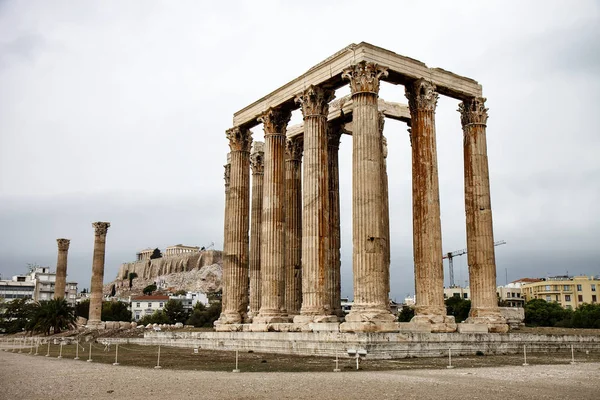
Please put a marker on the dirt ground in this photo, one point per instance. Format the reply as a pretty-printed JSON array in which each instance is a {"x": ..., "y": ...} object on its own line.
[{"x": 24, "y": 376}]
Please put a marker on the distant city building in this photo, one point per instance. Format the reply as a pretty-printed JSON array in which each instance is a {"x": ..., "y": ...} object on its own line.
[
  {"x": 38, "y": 285},
  {"x": 190, "y": 299},
  {"x": 510, "y": 294},
  {"x": 144, "y": 254},
  {"x": 180, "y": 249},
  {"x": 569, "y": 292}
]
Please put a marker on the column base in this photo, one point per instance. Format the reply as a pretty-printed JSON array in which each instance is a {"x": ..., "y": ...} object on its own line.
[
  {"x": 440, "y": 323},
  {"x": 95, "y": 324},
  {"x": 316, "y": 319},
  {"x": 491, "y": 317},
  {"x": 229, "y": 318},
  {"x": 261, "y": 319},
  {"x": 369, "y": 321}
]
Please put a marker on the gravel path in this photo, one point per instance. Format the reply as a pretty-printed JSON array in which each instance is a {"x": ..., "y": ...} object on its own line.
[{"x": 27, "y": 377}]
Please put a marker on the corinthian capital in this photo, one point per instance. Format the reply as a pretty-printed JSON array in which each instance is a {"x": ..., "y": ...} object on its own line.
[
  {"x": 275, "y": 120},
  {"x": 240, "y": 139},
  {"x": 364, "y": 77},
  {"x": 294, "y": 148},
  {"x": 421, "y": 96},
  {"x": 473, "y": 111},
  {"x": 314, "y": 101},
  {"x": 101, "y": 228},
  {"x": 257, "y": 158},
  {"x": 63, "y": 244}
]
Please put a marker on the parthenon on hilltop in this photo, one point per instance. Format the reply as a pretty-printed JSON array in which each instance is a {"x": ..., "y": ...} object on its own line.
[{"x": 281, "y": 269}]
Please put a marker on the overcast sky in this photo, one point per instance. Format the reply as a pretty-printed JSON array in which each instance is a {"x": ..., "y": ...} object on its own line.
[{"x": 116, "y": 111}]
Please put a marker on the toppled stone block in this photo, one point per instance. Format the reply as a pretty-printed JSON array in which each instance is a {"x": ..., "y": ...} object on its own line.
[
  {"x": 178, "y": 325},
  {"x": 124, "y": 325}
]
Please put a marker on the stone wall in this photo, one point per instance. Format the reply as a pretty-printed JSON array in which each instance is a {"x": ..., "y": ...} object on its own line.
[{"x": 377, "y": 345}]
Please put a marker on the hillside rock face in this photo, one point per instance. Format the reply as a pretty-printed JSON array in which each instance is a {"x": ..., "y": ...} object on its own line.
[{"x": 194, "y": 272}]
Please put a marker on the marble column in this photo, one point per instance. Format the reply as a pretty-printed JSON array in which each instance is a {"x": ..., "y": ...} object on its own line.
[
  {"x": 272, "y": 265},
  {"x": 427, "y": 229},
  {"x": 316, "y": 303},
  {"x": 227, "y": 178},
  {"x": 386, "y": 200},
  {"x": 97, "y": 283},
  {"x": 478, "y": 207},
  {"x": 235, "y": 259},
  {"x": 370, "y": 311},
  {"x": 61, "y": 268},
  {"x": 334, "y": 285},
  {"x": 293, "y": 225},
  {"x": 257, "y": 165}
]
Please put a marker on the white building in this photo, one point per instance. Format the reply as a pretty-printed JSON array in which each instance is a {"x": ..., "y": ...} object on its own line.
[
  {"x": 147, "y": 305},
  {"x": 190, "y": 299},
  {"x": 510, "y": 294},
  {"x": 38, "y": 285}
]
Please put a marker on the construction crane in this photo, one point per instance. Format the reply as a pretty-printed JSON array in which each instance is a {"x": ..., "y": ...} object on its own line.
[{"x": 457, "y": 253}]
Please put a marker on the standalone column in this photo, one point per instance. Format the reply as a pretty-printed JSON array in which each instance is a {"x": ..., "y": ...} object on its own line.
[
  {"x": 95, "y": 315},
  {"x": 427, "y": 228},
  {"x": 334, "y": 286},
  {"x": 235, "y": 260},
  {"x": 272, "y": 307},
  {"x": 61, "y": 268},
  {"x": 257, "y": 165},
  {"x": 293, "y": 225},
  {"x": 227, "y": 178},
  {"x": 386, "y": 200},
  {"x": 370, "y": 311},
  {"x": 316, "y": 303},
  {"x": 480, "y": 235}
]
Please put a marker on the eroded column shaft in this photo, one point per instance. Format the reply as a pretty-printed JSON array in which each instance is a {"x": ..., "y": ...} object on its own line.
[
  {"x": 368, "y": 229},
  {"x": 272, "y": 308},
  {"x": 61, "y": 268},
  {"x": 96, "y": 286},
  {"x": 334, "y": 274},
  {"x": 235, "y": 261},
  {"x": 293, "y": 226},
  {"x": 427, "y": 229},
  {"x": 480, "y": 235},
  {"x": 257, "y": 164},
  {"x": 227, "y": 178}
]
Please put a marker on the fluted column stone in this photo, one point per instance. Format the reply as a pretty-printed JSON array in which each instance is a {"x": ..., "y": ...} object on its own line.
[
  {"x": 334, "y": 285},
  {"x": 293, "y": 225},
  {"x": 227, "y": 178},
  {"x": 314, "y": 103},
  {"x": 272, "y": 307},
  {"x": 257, "y": 165},
  {"x": 478, "y": 209},
  {"x": 96, "y": 286},
  {"x": 386, "y": 200},
  {"x": 370, "y": 311},
  {"x": 427, "y": 229},
  {"x": 235, "y": 259},
  {"x": 61, "y": 268}
]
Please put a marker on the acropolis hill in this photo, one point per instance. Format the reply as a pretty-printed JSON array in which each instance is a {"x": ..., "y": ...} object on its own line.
[{"x": 198, "y": 270}]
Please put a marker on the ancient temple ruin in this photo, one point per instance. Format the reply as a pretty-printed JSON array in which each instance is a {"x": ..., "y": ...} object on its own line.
[{"x": 281, "y": 267}]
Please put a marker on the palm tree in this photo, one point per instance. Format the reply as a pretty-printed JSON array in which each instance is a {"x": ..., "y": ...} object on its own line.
[{"x": 55, "y": 315}]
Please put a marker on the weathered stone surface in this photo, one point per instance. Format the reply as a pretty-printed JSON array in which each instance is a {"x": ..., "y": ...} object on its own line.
[
  {"x": 100, "y": 229},
  {"x": 257, "y": 164},
  {"x": 415, "y": 327},
  {"x": 514, "y": 316},
  {"x": 472, "y": 328},
  {"x": 61, "y": 268},
  {"x": 124, "y": 325},
  {"x": 334, "y": 285}
]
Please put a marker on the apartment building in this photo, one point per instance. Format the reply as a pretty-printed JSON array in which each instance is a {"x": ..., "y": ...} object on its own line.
[{"x": 569, "y": 292}]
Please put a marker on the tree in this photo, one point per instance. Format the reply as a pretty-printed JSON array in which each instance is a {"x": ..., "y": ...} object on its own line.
[
  {"x": 587, "y": 316},
  {"x": 54, "y": 315},
  {"x": 180, "y": 292},
  {"x": 539, "y": 312},
  {"x": 113, "y": 290},
  {"x": 458, "y": 307},
  {"x": 132, "y": 276},
  {"x": 82, "y": 309},
  {"x": 175, "y": 311},
  {"x": 156, "y": 254},
  {"x": 149, "y": 289},
  {"x": 406, "y": 314},
  {"x": 203, "y": 316},
  {"x": 158, "y": 317},
  {"x": 115, "y": 311},
  {"x": 16, "y": 315}
]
